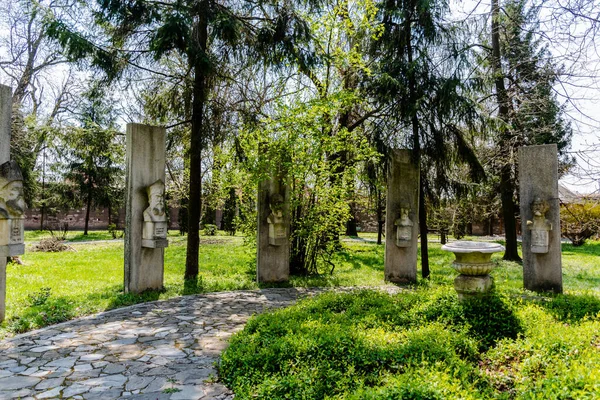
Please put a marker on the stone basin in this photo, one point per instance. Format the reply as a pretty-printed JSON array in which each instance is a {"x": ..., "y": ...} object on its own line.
[{"x": 473, "y": 258}]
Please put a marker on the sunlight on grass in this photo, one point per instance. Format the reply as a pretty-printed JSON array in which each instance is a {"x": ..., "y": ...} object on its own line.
[{"x": 90, "y": 278}]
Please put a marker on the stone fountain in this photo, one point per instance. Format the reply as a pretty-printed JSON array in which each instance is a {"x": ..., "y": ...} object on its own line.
[{"x": 473, "y": 262}]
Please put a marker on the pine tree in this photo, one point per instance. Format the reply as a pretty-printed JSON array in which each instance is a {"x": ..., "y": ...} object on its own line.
[{"x": 528, "y": 111}]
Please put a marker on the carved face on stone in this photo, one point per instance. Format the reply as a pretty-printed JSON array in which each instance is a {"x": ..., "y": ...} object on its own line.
[
  {"x": 156, "y": 199},
  {"x": 539, "y": 207},
  {"x": 12, "y": 202},
  {"x": 276, "y": 203}
]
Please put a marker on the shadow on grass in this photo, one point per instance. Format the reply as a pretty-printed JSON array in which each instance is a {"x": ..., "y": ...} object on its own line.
[
  {"x": 127, "y": 299},
  {"x": 491, "y": 318},
  {"x": 573, "y": 308},
  {"x": 589, "y": 248}
]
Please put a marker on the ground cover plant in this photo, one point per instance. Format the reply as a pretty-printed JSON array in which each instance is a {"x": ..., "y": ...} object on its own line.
[
  {"x": 54, "y": 287},
  {"x": 421, "y": 344}
]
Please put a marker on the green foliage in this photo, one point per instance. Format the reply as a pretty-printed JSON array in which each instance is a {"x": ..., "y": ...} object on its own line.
[
  {"x": 39, "y": 298},
  {"x": 580, "y": 221},
  {"x": 210, "y": 230},
  {"x": 416, "y": 345},
  {"x": 299, "y": 145}
]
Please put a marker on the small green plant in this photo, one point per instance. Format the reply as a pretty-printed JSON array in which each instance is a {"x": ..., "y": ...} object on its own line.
[
  {"x": 114, "y": 232},
  {"x": 40, "y": 297},
  {"x": 172, "y": 389},
  {"x": 209, "y": 230}
]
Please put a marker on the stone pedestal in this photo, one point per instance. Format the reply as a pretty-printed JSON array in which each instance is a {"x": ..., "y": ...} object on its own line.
[
  {"x": 402, "y": 219},
  {"x": 473, "y": 262},
  {"x": 540, "y": 218},
  {"x": 273, "y": 247},
  {"x": 144, "y": 257},
  {"x": 468, "y": 287}
]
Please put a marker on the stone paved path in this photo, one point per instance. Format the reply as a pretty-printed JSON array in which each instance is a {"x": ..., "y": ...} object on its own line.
[{"x": 159, "y": 350}]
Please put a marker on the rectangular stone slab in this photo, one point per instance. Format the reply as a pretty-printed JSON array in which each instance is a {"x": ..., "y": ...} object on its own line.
[
  {"x": 403, "y": 189},
  {"x": 144, "y": 266},
  {"x": 5, "y": 114},
  {"x": 538, "y": 177},
  {"x": 272, "y": 260}
]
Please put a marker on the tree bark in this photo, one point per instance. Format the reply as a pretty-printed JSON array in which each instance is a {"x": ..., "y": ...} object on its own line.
[
  {"x": 506, "y": 183},
  {"x": 423, "y": 231},
  {"x": 195, "y": 189},
  {"x": 87, "y": 212},
  {"x": 380, "y": 221}
]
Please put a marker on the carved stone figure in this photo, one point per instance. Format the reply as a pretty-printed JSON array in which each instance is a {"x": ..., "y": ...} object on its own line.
[
  {"x": 12, "y": 207},
  {"x": 276, "y": 220},
  {"x": 540, "y": 226},
  {"x": 404, "y": 227},
  {"x": 155, "y": 217}
]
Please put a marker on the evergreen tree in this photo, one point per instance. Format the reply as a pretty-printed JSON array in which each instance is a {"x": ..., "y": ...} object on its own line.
[
  {"x": 419, "y": 81},
  {"x": 528, "y": 111},
  {"x": 94, "y": 155},
  {"x": 138, "y": 33}
]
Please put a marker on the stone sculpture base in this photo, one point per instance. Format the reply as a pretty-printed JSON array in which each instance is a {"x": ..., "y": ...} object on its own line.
[{"x": 469, "y": 287}]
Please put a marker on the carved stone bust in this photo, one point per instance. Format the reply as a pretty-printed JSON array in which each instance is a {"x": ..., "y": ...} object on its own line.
[
  {"x": 540, "y": 226},
  {"x": 276, "y": 220},
  {"x": 404, "y": 227},
  {"x": 12, "y": 207},
  {"x": 12, "y": 203},
  {"x": 156, "y": 200},
  {"x": 154, "y": 233}
]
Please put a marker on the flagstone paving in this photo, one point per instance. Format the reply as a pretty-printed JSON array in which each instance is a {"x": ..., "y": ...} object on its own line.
[{"x": 159, "y": 350}]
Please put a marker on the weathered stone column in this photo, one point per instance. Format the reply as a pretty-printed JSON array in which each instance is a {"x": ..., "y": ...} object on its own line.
[
  {"x": 5, "y": 113},
  {"x": 145, "y": 216},
  {"x": 273, "y": 247},
  {"x": 12, "y": 203},
  {"x": 402, "y": 219},
  {"x": 540, "y": 218}
]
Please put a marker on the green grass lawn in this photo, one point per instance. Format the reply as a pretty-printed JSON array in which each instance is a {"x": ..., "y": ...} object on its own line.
[{"x": 53, "y": 287}]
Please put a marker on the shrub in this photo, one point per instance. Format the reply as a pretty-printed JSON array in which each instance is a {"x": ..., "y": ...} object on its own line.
[{"x": 210, "y": 230}]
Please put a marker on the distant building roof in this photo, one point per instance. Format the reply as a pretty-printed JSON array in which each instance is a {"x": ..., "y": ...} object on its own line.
[{"x": 567, "y": 196}]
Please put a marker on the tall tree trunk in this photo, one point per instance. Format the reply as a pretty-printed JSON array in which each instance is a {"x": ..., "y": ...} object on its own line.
[
  {"x": 195, "y": 190},
  {"x": 423, "y": 230},
  {"x": 506, "y": 182},
  {"x": 87, "y": 212},
  {"x": 417, "y": 156},
  {"x": 380, "y": 221},
  {"x": 352, "y": 223}
]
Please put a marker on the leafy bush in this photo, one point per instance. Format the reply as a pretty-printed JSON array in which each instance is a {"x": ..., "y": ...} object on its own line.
[
  {"x": 580, "y": 221},
  {"x": 417, "y": 345},
  {"x": 209, "y": 230}
]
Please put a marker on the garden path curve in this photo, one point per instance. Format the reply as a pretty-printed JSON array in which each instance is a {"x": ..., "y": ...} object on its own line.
[{"x": 159, "y": 350}]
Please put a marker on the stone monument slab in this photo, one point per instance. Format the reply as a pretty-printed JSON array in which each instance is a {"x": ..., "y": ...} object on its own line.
[
  {"x": 273, "y": 248},
  {"x": 145, "y": 216},
  {"x": 540, "y": 218},
  {"x": 402, "y": 217},
  {"x": 5, "y": 121}
]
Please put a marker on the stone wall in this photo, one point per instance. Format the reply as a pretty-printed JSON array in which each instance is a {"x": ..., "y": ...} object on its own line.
[{"x": 76, "y": 219}]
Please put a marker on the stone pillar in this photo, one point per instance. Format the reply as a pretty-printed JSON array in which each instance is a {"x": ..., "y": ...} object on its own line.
[
  {"x": 145, "y": 216},
  {"x": 12, "y": 203},
  {"x": 273, "y": 247},
  {"x": 540, "y": 218},
  {"x": 5, "y": 113},
  {"x": 402, "y": 219}
]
